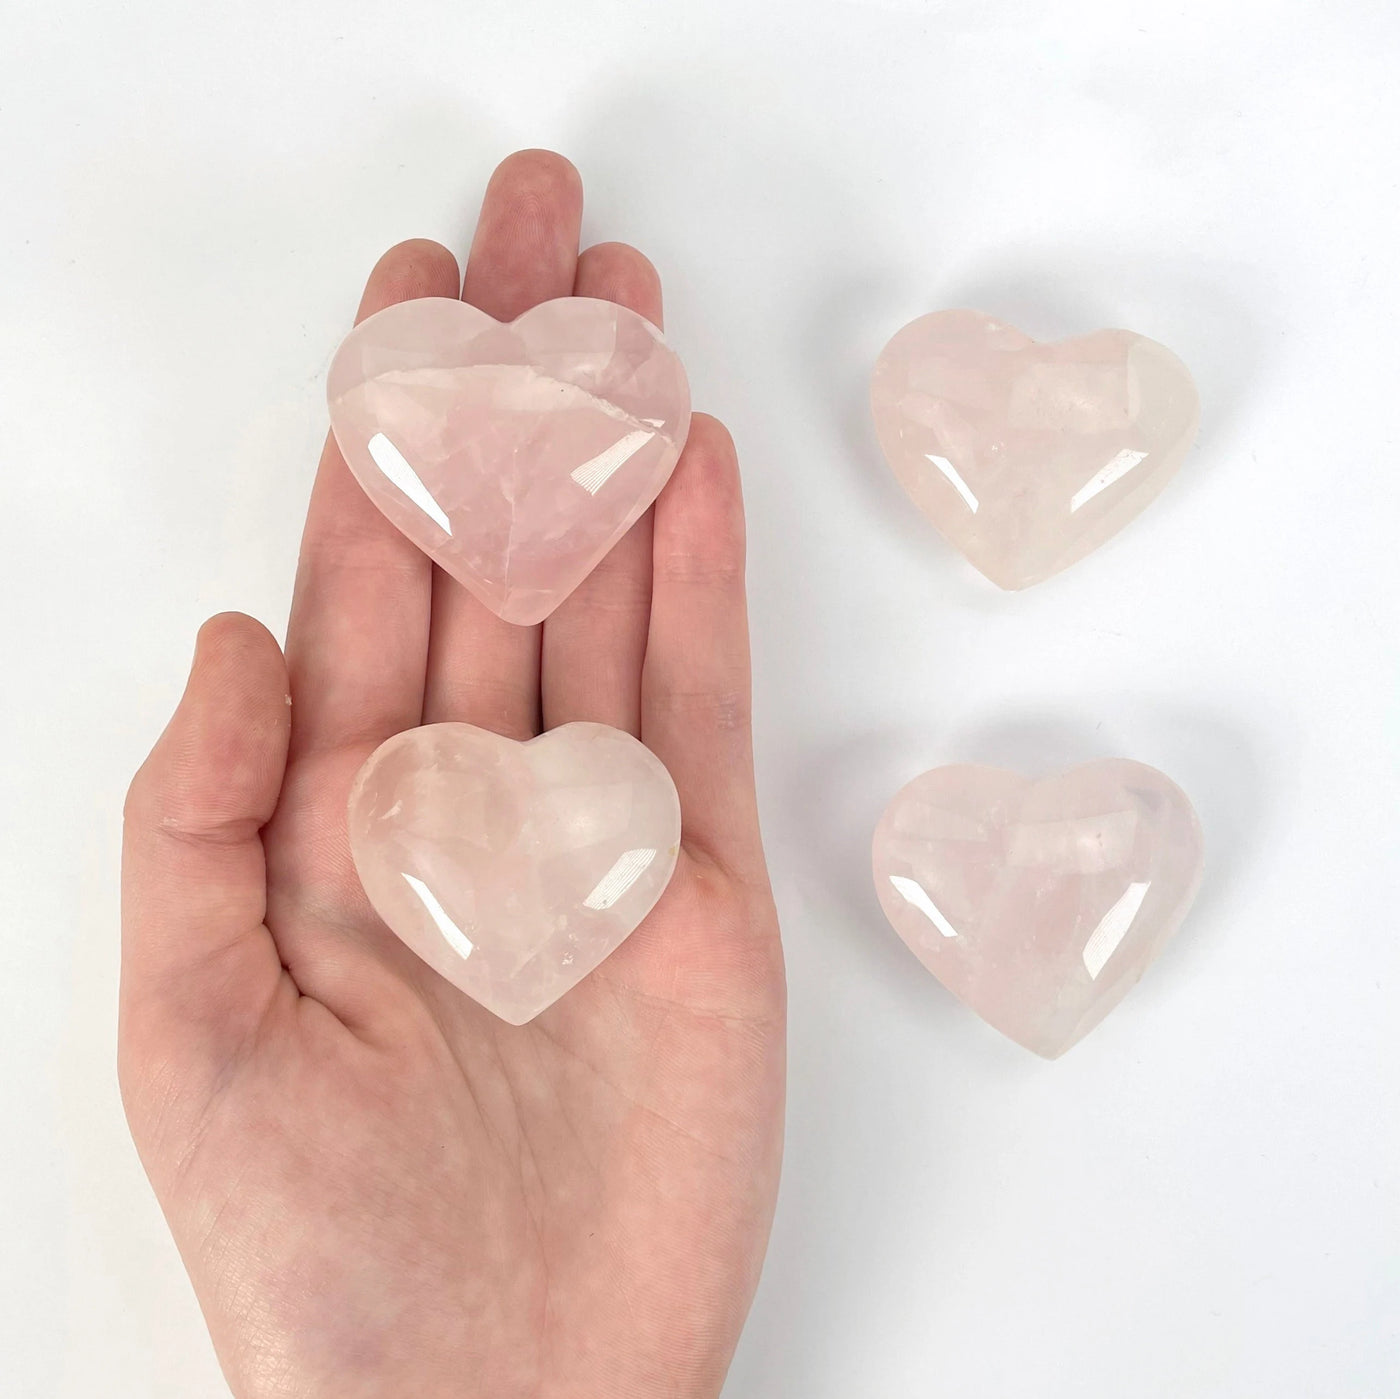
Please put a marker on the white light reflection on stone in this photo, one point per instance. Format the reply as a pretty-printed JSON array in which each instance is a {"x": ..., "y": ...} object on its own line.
[
  {"x": 958, "y": 484},
  {"x": 594, "y": 473},
  {"x": 1113, "y": 928},
  {"x": 1103, "y": 479},
  {"x": 460, "y": 943},
  {"x": 627, "y": 869},
  {"x": 912, "y": 892},
  {"x": 395, "y": 467}
]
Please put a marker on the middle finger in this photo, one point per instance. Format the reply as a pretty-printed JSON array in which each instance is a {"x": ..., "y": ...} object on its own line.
[{"x": 482, "y": 670}]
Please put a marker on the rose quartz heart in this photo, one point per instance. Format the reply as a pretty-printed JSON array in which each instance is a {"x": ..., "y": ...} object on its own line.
[
  {"x": 1026, "y": 456},
  {"x": 512, "y": 868},
  {"x": 1038, "y": 904},
  {"x": 514, "y": 455}
]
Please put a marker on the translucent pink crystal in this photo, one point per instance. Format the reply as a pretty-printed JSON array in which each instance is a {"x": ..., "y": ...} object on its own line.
[
  {"x": 1038, "y": 904},
  {"x": 511, "y": 868},
  {"x": 1028, "y": 456},
  {"x": 515, "y": 455}
]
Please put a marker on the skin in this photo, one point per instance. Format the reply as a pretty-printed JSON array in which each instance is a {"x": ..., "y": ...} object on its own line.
[{"x": 377, "y": 1187}]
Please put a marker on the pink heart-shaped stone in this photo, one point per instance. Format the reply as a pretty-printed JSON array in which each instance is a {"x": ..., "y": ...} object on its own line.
[
  {"x": 1026, "y": 456},
  {"x": 512, "y": 868},
  {"x": 1038, "y": 904},
  {"x": 514, "y": 455}
]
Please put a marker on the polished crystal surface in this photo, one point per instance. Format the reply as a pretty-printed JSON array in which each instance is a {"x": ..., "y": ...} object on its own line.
[
  {"x": 1028, "y": 456},
  {"x": 1038, "y": 903},
  {"x": 514, "y": 869},
  {"x": 515, "y": 455}
]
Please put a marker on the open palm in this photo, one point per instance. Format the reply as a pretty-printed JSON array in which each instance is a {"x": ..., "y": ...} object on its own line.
[{"x": 378, "y": 1188}]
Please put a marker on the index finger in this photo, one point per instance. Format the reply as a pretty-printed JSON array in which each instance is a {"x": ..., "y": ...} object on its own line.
[{"x": 357, "y": 639}]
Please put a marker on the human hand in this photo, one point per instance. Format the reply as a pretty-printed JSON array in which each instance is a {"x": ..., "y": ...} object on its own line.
[{"x": 378, "y": 1188}]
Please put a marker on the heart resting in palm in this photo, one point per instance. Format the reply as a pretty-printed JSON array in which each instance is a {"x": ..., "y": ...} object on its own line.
[{"x": 378, "y": 1188}]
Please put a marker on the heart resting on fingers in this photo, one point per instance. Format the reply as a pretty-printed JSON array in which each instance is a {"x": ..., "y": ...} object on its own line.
[
  {"x": 515, "y": 455},
  {"x": 511, "y": 868}
]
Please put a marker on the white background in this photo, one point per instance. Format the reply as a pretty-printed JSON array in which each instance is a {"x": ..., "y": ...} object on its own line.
[{"x": 1201, "y": 1200}]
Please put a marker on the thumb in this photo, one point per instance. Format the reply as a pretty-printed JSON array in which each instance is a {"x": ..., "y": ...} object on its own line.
[{"x": 196, "y": 955}]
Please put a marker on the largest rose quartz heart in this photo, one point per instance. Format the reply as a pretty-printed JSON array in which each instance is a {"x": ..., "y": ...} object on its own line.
[
  {"x": 1027, "y": 456},
  {"x": 1038, "y": 904},
  {"x": 515, "y": 455},
  {"x": 513, "y": 868}
]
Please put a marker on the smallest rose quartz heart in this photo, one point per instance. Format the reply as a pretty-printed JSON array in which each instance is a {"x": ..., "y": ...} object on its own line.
[
  {"x": 1027, "y": 456},
  {"x": 1038, "y": 904},
  {"x": 514, "y": 869}
]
